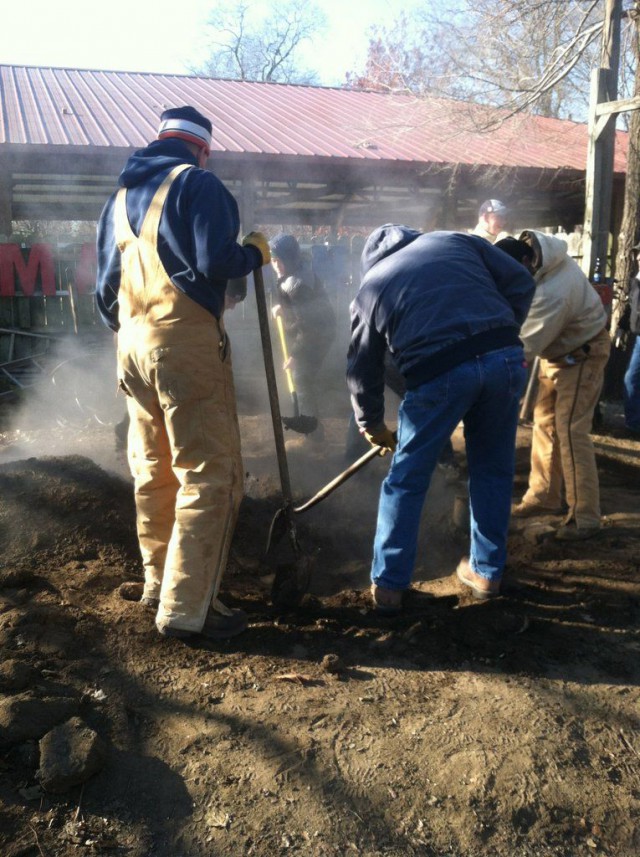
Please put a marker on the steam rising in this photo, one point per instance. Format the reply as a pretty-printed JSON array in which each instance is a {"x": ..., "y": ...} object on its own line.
[
  {"x": 72, "y": 407},
  {"x": 75, "y": 405}
]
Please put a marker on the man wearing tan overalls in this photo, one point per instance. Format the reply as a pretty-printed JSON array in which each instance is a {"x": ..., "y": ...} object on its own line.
[{"x": 167, "y": 243}]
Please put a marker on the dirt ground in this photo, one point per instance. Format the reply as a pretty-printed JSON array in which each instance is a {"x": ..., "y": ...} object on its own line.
[{"x": 505, "y": 728}]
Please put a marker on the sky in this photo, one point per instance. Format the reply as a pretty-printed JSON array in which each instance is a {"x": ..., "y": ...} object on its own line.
[{"x": 166, "y": 37}]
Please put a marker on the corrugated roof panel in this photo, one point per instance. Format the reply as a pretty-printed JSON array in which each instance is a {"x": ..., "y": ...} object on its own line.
[
  {"x": 87, "y": 105},
  {"x": 121, "y": 126},
  {"x": 30, "y": 107},
  {"x": 13, "y": 126},
  {"x": 321, "y": 121},
  {"x": 55, "y": 108},
  {"x": 116, "y": 109}
]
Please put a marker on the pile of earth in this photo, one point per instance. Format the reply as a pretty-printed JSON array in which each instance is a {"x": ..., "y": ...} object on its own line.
[{"x": 508, "y": 728}]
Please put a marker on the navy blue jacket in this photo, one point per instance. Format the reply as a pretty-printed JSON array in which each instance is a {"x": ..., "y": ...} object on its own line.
[
  {"x": 197, "y": 241},
  {"x": 434, "y": 300}
]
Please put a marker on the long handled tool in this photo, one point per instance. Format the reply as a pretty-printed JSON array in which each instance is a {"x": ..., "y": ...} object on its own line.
[
  {"x": 526, "y": 407},
  {"x": 340, "y": 479},
  {"x": 298, "y": 422},
  {"x": 288, "y": 587},
  {"x": 297, "y": 575}
]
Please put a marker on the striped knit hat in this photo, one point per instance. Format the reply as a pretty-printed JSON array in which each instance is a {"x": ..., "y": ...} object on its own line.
[{"x": 186, "y": 124}]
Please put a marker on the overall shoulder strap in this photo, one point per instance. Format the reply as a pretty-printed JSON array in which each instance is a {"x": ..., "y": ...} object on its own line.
[
  {"x": 121, "y": 225},
  {"x": 151, "y": 222}
]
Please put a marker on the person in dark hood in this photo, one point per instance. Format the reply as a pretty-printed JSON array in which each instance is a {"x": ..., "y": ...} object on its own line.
[
  {"x": 308, "y": 318},
  {"x": 167, "y": 244},
  {"x": 448, "y": 307}
]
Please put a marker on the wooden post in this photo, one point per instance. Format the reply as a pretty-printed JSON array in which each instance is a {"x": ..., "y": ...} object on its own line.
[
  {"x": 248, "y": 205},
  {"x": 449, "y": 207},
  {"x": 601, "y": 145},
  {"x": 6, "y": 221}
]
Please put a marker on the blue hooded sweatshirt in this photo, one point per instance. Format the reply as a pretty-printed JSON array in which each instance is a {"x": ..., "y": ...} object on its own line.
[
  {"x": 434, "y": 300},
  {"x": 197, "y": 237}
]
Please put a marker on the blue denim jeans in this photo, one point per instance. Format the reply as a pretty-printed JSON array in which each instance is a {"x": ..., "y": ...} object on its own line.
[
  {"x": 484, "y": 394},
  {"x": 632, "y": 389}
]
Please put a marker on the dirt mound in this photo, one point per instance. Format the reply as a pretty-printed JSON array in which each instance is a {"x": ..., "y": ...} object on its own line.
[
  {"x": 63, "y": 509},
  {"x": 504, "y": 728}
]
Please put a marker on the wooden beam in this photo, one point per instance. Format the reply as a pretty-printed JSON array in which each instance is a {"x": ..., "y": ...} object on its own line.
[
  {"x": 619, "y": 106},
  {"x": 601, "y": 145}
]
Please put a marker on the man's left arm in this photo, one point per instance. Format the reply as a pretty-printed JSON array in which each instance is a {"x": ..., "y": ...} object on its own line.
[
  {"x": 365, "y": 371},
  {"x": 215, "y": 223},
  {"x": 108, "y": 268}
]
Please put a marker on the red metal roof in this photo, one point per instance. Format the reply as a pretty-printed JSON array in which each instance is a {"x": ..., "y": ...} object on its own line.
[{"x": 74, "y": 107}]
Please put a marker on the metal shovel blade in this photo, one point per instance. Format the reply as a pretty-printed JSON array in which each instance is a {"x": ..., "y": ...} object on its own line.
[
  {"x": 291, "y": 582},
  {"x": 279, "y": 526},
  {"x": 300, "y": 424}
]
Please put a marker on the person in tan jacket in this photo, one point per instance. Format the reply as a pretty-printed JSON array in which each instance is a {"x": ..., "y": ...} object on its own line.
[{"x": 566, "y": 329}]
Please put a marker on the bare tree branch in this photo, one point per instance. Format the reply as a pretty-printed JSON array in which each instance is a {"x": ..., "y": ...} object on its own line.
[
  {"x": 245, "y": 45},
  {"x": 513, "y": 55}
]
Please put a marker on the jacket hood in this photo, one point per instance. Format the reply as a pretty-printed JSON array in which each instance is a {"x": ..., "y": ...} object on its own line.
[
  {"x": 549, "y": 251},
  {"x": 159, "y": 156},
  {"x": 383, "y": 241}
]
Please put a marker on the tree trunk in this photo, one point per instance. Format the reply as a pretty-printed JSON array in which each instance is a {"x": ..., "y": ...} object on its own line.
[
  {"x": 629, "y": 236},
  {"x": 630, "y": 229}
]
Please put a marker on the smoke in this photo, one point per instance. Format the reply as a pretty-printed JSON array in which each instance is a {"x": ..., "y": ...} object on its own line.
[
  {"x": 342, "y": 526},
  {"x": 70, "y": 408}
]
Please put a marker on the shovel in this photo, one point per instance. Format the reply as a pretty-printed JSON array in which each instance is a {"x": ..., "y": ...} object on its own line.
[
  {"x": 526, "y": 408},
  {"x": 298, "y": 422},
  {"x": 294, "y": 578},
  {"x": 287, "y": 585}
]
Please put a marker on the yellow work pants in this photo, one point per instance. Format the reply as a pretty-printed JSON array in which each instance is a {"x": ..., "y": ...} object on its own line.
[
  {"x": 562, "y": 452},
  {"x": 184, "y": 454}
]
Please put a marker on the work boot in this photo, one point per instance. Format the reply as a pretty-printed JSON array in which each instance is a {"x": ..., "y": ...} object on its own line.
[
  {"x": 220, "y": 623},
  {"x": 532, "y": 510},
  {"x": 133, "y": 590},
  {"x": 572, "y": 533},
  {"x": 387, "y": 602},
  {"x": 481, "y": 588}
]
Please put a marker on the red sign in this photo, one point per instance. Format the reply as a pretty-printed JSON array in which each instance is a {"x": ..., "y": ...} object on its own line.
[{"x": 31, "y": 271}]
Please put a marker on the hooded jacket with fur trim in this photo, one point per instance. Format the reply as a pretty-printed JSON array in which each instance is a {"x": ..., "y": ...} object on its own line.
[
  {"x": 434, "y": 300},
  {"x": 566, "y": 311}
]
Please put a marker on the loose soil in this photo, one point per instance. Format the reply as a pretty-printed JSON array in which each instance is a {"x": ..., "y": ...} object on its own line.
[{"x": 459, "y": 728}]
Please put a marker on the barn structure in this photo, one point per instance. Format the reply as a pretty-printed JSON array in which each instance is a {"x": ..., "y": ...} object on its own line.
[
  {"x": 291, "y": 154},
  {"x": 337, "y": 162}
]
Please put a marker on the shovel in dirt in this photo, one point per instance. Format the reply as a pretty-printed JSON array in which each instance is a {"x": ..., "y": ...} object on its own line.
[
  {"x": 295, "y": 577},
  {"x": 298, "y": 422},
  {"x": 289, "y": 587}
]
